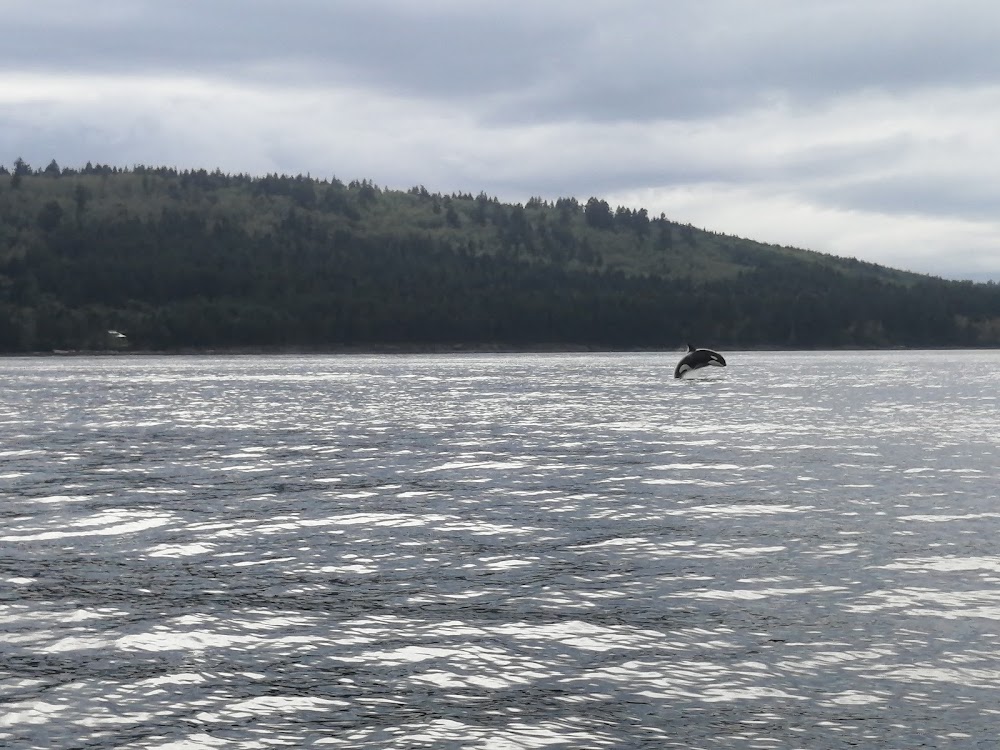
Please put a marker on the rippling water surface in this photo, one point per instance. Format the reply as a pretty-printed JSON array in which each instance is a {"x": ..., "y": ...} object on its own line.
[{"x": 500, "y": 551}]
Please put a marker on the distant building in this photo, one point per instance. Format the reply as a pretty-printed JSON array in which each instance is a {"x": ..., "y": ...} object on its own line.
[{"x": 117, "y": 340}]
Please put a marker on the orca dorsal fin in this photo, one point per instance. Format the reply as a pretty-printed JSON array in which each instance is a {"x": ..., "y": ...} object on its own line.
[{"x": 690, "y": 348}]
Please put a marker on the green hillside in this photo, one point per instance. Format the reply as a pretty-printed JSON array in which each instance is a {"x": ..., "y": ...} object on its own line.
[{"x": 199, "y": 259}]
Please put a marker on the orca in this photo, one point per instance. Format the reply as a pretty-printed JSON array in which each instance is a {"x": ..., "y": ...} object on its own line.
[{"x": 695, "y": 359}]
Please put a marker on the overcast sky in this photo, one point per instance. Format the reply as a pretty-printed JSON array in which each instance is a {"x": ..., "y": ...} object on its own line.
[{"x": 861, "y": 128}]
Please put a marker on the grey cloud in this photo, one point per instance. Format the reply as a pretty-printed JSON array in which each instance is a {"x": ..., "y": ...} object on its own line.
[
  {"x": 402, "y": 49},
  {"x": 707, "y": 63},
  {"x": 929, "y": 196},
  {"x": 527, "y": 61},
  {"x": 815, "y": 170}
]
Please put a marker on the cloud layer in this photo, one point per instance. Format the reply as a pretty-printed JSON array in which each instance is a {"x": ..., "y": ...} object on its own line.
[{"x": 863, "y": 129}]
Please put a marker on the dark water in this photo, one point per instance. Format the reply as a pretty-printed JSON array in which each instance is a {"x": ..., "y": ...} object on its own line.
[{"x": 799, "y": 551}]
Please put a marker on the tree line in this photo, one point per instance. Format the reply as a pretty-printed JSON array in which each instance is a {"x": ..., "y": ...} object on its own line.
[{"x": 192, "y": 259}]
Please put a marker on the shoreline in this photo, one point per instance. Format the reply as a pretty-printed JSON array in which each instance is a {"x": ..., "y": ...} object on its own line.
[{"x": 408, "y": 349}]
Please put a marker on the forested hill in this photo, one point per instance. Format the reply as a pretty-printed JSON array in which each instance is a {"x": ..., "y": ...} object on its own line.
[{"x": 197, "y": 259}]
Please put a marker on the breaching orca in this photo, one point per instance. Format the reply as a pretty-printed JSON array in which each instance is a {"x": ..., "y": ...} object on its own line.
[{"x": 695, "y": 359}]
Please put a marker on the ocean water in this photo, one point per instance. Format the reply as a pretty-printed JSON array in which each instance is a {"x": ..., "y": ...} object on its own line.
[{"x": 801, "y": 550}]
